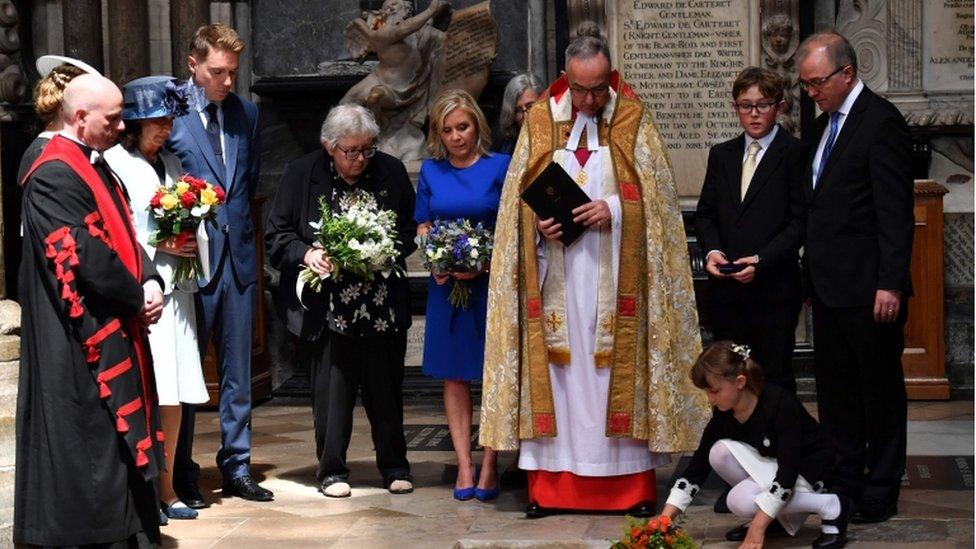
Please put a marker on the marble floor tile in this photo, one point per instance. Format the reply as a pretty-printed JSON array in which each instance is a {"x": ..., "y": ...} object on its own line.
[{"x": 283, "y": 460}]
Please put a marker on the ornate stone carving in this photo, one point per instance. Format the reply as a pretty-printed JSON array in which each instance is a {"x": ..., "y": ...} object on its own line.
[
  {"x": 780, "y": 38},
  {"x": 13, "y": 85},
  {"x": 588, "y": 12},
  {"x": 416, "y": 60},
  {"x": 865, "y": 24}
]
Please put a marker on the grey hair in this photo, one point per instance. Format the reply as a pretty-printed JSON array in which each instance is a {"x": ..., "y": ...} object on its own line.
[
  {"x": 515, "y": 88},
  {"x": 839, "y": 49},
  {"x": 587, "y": 47},
  {"x": 345, "y": 120}
]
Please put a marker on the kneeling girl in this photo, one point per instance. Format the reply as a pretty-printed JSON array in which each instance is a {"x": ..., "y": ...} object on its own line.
[{"x": 763, "y": 443}]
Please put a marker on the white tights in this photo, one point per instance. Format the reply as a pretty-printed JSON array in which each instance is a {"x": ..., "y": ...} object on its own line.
[{"x": 742, "y": 497}]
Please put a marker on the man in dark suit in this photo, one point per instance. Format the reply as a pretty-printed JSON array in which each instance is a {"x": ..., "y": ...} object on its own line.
[
  {"x": 858, "y": 247},
  {"x": 218, "y": 141},
  {"x": 750, "y": 217}
]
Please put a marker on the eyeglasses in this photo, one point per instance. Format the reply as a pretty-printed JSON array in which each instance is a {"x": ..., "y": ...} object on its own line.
[
  {"x": 761, "y": 108},
  {"x": 817, "y": 83},
  {"x": 522, "y": 111},
  {"x": 596, "y": 91},
  {"x": 353, "y": 154}
]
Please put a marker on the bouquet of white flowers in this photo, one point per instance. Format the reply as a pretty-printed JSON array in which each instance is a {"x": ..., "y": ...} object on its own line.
[
  {"x": 358, "y": 238},
  {"x": 456, "y": 247}
]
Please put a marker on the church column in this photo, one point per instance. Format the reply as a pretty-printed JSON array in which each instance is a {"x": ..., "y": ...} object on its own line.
[
  {"x": 537, "y": 39},
  {"x": 128, "y": 37},
  {"x": 185, "y": 16},
  {"x": 83, "y": 31}
]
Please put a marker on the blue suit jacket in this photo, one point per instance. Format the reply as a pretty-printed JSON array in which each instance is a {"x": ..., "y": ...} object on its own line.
[{"x": 242, "y": 152}]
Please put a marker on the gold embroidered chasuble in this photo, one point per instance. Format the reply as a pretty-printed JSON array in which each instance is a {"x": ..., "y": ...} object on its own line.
[{"x": 648, "y": 335}]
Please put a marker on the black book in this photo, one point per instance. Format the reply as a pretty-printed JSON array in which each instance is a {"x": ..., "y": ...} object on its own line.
[{"x": 555, "y": 194}]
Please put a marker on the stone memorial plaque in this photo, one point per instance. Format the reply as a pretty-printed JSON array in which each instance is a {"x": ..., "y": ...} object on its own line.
[
  {"x": 681, "y": 58},
  {"x": 415, "y": 342},
  {"x": 947, "y": 50}
]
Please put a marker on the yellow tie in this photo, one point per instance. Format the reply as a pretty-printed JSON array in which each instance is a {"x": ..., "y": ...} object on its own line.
[{"x": 749, "y": 167}]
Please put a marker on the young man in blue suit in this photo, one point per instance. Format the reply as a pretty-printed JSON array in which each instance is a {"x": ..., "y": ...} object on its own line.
[{"x": 218, "y": 141}]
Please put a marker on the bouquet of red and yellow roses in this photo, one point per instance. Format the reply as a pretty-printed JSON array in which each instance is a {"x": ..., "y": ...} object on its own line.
[{"x": 178, "y": 211}]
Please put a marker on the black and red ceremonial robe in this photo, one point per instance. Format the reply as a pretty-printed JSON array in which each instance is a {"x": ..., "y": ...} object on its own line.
[{"x": 88, "y": 436}]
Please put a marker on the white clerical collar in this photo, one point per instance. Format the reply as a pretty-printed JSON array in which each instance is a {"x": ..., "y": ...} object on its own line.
[{"x": 588, "y": 123}]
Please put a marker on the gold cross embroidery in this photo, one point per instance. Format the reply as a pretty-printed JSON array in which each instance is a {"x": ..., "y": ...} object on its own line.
[
  {"x": 608, "y": 324},
  {"x": 581, "y": 178},
  {"x": 553, "y": 322}
]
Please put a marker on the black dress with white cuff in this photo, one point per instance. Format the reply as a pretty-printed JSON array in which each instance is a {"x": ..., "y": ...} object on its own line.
[{"x": 779, "y": 428}]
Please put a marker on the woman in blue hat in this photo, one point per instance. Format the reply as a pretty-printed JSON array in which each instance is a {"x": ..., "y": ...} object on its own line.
[{"x": 142, "y": 164}]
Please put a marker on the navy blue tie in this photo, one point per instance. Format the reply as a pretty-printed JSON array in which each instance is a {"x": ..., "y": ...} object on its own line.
[
  {"x": 831, "y": 137},
  {"x": 213, "y": 132}
]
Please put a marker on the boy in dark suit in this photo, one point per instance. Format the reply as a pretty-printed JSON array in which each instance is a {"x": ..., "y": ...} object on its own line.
[{"x": 749, "y": 222}]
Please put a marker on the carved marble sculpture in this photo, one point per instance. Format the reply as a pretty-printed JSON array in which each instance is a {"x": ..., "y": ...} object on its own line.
[{"x": 416, "y": 60}]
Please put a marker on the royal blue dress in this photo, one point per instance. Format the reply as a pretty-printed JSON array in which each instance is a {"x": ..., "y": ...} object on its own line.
[{"x": 454, "y": 339}]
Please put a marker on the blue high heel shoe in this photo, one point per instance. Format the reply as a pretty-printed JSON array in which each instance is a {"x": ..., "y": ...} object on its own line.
[
  {"x": 464, "y": 494},
  {"x": 486, "y": 494}
]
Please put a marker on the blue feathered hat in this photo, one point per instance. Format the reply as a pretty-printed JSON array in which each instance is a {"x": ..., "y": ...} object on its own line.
[{"x": 154, "y": 97}]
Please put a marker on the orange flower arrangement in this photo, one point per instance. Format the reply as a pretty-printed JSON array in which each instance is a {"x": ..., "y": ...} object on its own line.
[{"x": 654, "y": 533}]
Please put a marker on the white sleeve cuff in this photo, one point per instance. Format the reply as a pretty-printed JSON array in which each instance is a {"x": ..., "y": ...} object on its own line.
[
  {"x": 682, "y": 493},
  {"x": 150, "y": 285},
  {"x": 773, "y": 499}
]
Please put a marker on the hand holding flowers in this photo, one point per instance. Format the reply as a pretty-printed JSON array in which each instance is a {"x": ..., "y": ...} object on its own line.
[
  {"x": 357, "y": 237},
  {"x": 653, "y": 533},
  {"x": 458, "y": 250},
  {"x": 178, "y": 211}
]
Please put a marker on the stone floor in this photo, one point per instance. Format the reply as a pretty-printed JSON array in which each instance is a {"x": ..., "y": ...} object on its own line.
[{"x": 933, "y": 514}]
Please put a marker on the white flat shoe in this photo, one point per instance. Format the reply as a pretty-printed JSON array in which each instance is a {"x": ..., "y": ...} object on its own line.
[
  {"x": 337, "y": 490},
  {"x": 401, "y": 486}
]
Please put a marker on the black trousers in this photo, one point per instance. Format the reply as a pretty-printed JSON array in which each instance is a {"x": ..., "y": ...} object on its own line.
[
  {"x": 768, "y": 328},
  {"x": 861, "y": 397},
  {"x": 341, "y": 366}
]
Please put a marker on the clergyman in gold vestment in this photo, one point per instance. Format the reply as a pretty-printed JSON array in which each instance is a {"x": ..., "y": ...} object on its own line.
[{"x": 588, "y": 347}]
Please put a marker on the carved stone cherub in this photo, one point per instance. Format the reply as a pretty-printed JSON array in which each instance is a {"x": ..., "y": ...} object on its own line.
[{"x": 399, "y": 88}]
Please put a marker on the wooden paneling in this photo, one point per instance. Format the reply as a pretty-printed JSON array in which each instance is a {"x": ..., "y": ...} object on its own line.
[{"x": 924, "y": 358}]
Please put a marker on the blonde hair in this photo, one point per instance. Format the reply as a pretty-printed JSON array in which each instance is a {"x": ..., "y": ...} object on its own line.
[
  {"x": 49, "y": 93},
  {"x": 214, "y": 36},
  {"x": 727, "y": 360},
  {"x": 443, "y": 105}
]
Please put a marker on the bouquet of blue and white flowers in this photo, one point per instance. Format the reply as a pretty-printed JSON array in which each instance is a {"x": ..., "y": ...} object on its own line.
[
  {"x": 358, "y": 238},
  {"x": 456, "y": 247}
]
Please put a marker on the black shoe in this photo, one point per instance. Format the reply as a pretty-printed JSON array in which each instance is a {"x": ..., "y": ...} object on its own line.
[
  {"x": 831, "y": 541},
  {"x": 534, "y": 511},
  {"x": 245, "y": 487},
  {"x": 644, "y": 509},
  {"x": 739, "y": 532},
  {"x": 190, "y": 495},
  {"x": 721, "y": 504},
  {"x": 871, "y": 510}
]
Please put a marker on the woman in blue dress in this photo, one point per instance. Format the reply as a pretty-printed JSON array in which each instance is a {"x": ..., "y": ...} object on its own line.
[{"x": 461, "y": 180}]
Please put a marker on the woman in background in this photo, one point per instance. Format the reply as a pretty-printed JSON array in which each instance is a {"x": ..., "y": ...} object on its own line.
[
  {"x": 142, "y": 164},
  {"x": 521, "y": 93}
]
